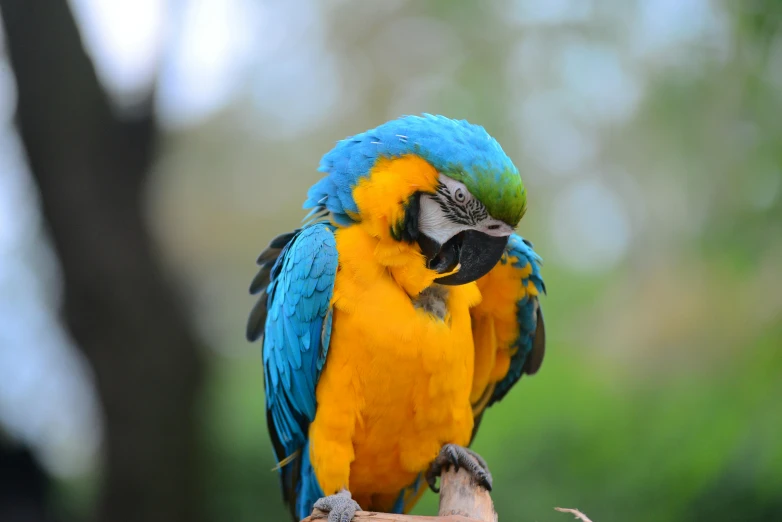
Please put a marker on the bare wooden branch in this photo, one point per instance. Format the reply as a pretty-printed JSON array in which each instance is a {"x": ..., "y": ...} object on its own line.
[
  {"x": 578, "y": 514},
  {"x": 371, "y": 516},
  {"x": 460, "y": 501},
  {"x": 460, "y": 496}
]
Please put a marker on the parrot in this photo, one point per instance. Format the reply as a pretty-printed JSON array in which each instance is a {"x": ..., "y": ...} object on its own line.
[{"x": 400, "y": 310}]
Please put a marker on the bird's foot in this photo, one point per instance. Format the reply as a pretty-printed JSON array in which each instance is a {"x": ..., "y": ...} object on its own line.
[
  {"x": 340, "y": 507},
  {"x": 459, "y": 457}
]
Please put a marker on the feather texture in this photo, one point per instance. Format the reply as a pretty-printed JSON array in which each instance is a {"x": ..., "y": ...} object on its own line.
[
  {"x": 459, "y": 149},
  {"x": 294, "y": 312},
  {"x": 508, "y": 326},
  {"x": 528, "y": 349},
  {"x": 356, "y": 292}
]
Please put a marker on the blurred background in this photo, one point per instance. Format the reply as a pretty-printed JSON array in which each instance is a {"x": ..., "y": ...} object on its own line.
[{"x": 149, "y": 150}]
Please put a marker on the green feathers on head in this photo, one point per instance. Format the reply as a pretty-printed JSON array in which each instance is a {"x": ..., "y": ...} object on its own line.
[
  {"x": 456, "y": 148},
  {"x": 501, "y": 191}
]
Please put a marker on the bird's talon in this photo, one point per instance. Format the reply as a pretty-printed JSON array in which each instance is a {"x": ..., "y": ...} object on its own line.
[
  {"x": 459, "y": 457},
  {"x": 431, "y": 478},
  {"x": 341, "y": 507}
]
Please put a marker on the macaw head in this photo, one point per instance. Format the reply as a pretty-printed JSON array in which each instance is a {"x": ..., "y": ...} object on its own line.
[{"x": 443, "y": 184}]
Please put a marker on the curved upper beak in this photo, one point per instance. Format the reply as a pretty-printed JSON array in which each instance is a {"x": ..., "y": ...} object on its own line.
[{"x": 474, "y": 253}]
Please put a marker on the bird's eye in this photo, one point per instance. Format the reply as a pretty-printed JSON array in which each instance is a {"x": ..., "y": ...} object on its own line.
[{"x": 459, "y": 195}]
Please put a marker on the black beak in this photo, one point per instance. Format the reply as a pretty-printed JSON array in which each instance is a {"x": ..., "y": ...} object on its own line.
[{"x": 476, "y": 252}]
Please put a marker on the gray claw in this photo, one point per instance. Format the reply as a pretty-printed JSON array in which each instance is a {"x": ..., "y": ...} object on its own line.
[
  {"x": 340, "y": 507},
  {"x": 459, "y": 457}
]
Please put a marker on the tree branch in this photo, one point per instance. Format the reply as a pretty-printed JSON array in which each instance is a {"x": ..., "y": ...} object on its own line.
[
  {"x": 578, "y": 514},
  {"x": 460, "y": 501}
]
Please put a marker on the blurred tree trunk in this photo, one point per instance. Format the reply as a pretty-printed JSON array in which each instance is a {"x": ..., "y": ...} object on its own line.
[
  {"x": 24, "y": 485},
  {"x": 90, "y": 166}
]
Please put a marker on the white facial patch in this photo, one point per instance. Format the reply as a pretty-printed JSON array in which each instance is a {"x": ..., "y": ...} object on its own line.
[{"x": 452, "y": 209}]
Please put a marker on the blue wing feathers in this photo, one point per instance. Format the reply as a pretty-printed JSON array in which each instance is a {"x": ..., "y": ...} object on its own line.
[
  {"x": 309, "y": 490},
  {"x": 530, "y": 346},
  {"x": 295, "y": 344},
  {"x": 298, "y": 299}
]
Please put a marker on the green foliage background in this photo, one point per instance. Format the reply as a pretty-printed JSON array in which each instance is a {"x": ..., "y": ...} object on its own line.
[{"x": 660, "y": 396}]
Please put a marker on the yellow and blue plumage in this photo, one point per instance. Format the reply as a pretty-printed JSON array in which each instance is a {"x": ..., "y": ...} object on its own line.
[{"x": 402, "y": 309}]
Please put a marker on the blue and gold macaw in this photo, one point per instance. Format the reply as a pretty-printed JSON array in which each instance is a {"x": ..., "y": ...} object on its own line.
[{"x": 400, "y": 311}]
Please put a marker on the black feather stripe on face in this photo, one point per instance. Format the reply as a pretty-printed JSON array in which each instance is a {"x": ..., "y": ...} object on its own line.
[
  {"x": 407, "y": 229},
  {"x": 468, "y": 213},
  {"x": 477, "y": 210}
]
